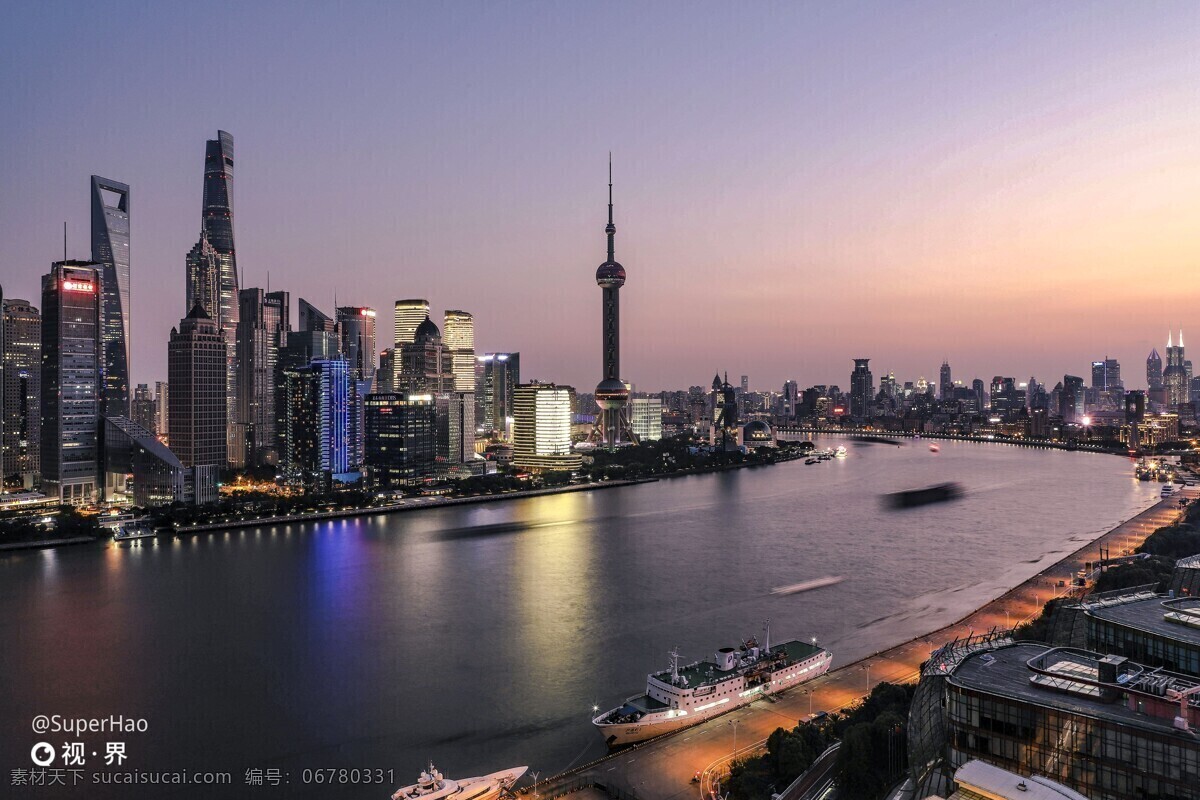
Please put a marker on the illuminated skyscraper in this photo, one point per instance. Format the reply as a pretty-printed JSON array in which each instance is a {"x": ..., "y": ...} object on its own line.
[
  {"x": 498, "y": 377},
  {"x": 356, "y": 325},
  {"x": 1175, "y": 375},
  {"x": 20, "y": 402},
  {"x": 612, "y": 395},
  {"x": 542, "y": 428},
  {"x": 409, "y": 314},
  {"x": 424, "y": 365},
  {"x": 263, "y": 326},
  {"x": 862, "y": 389},
  {"x": 204, "y": 278},
  {"x": 72, "y": 380},
  {"x": 196, "y": 371},
  {"x": 647, "y": 418},
  {"x": 401, "y": 439},
  {"x": 945, "y": 382},
  {"x": 458, "y": 334},
  {"x": 110, "y": 248}
]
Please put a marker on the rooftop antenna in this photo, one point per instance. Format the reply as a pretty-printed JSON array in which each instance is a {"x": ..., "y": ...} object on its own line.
[
  {"x": 64, "y": 240},
  {"x": 674, "y": 654},
  {"x": 767, "y": 628}
]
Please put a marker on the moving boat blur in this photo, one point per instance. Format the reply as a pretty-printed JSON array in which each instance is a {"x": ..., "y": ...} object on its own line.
[{"x": 942, "y": 493}]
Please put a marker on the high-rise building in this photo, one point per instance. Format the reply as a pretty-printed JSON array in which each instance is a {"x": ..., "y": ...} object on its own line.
[
  {"x": 1175, "y": 375},
  {"x": 313, "y": 320},
  {"x": 612, "y": 395},
  {"x": 401, "y": 439},
  {"x": 162, "y": 414},
  {"x": 217, "y": 230},
  {"x": 356, "y": 325},
  {"x": 196, "y": 371},
  {"x": 1106, "y": 375},
  {"x": 142, "y": 407},
  {"x": 745, "y": 384},
  {"x": 425, "y": 365},
  {"x": 945, "y": 382},
  {"x": 138, "y": 467},
  {"x": 1071, "y": 400},
  {"x": 72, "y": 380},
  {"x": 647, "y": 418},
  {"x": 110, "y": 249},
  {"x": 409, "y": 314},
  {"x": 317, "y": 430},
  {"x": 458, "y": 334},
  {"x": 455, "y": 426},
  {"x": 542, "y": 428},
  {"x": 977, "y": 387},
  {"x": 862, "y": 389},
  {"x": 203, "y": 281},
  {"x": 498, "y": 377},
  {"x": 263, "y": 326},
  {"x": 21, "y": 397},
  {"x": 1154, "y": 369}
]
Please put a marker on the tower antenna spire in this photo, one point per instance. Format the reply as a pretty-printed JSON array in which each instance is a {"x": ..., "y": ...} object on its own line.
[
  {"x": 65, "y": 237},
  {"x": 610, "y": 229}
]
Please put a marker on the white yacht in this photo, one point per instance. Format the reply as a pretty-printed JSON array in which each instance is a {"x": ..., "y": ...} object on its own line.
[
  {"x": 432, "y": 785},
  {"x": 684, "y": 696}
]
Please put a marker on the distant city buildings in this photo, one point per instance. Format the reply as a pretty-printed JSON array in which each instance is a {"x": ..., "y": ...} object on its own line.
[
  {"x": 497, "y": 378},
  {"x": 356, "y": 325},
  {"x": 862, "y": 389},
  {"x": 409, "y": 315}
]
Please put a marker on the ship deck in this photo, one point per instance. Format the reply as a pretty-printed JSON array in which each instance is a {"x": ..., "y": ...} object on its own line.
[{"x": 705, "y": 672}]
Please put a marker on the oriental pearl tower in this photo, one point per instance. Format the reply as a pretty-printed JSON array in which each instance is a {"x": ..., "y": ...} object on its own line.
[{"x": 612, "y": 426}]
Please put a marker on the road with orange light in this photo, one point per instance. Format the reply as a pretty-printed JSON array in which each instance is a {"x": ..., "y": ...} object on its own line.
[{"x": 665, "y": 768}]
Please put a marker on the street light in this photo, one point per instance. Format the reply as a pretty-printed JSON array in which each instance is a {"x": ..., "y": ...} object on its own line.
[
  {"x": 734, "y": 723},
  {"x": 867, "y": 667}
]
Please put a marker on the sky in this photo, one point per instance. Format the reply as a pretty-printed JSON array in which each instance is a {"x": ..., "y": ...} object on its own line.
[{"x": 1011, "y": 186}]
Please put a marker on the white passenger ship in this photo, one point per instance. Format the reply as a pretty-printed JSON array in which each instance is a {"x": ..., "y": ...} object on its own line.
[
  {"x": 432, "y": 785},
  {"x": 684, "y": 696}
]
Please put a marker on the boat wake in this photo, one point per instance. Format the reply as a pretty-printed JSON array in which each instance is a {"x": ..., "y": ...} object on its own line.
[{"x": 808, "y": 586}]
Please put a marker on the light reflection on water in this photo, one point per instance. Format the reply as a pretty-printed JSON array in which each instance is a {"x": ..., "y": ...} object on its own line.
[{"x": 480, "y": 636}]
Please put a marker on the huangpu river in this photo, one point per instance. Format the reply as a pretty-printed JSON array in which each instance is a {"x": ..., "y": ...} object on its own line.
[{"x": 480, "y": 637}]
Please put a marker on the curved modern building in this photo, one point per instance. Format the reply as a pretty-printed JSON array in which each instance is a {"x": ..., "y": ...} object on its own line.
[
  {"x": 612, "y": 395},
  {"x": 110, "y": 249}
]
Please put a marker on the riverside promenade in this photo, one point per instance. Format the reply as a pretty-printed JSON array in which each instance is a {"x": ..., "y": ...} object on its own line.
[{"x": 664, "y": 768}]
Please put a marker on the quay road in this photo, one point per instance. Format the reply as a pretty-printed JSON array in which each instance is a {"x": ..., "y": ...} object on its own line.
[{"x": 664, "y": 768}]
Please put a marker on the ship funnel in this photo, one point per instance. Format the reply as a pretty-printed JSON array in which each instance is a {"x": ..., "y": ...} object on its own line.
[{"x": 726, "y": 659}]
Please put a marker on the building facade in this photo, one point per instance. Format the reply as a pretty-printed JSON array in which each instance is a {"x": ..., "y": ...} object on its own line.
[
  {"x": 196, "y": 394},
  {"x": 110, "y": 249},
  {"x": 458, "y": 334},
  {"x": 542, "y": 428},
  {"x": 401, "y": 439},
  {"x": 21, "y": 398},
  {"x": 409, "y": 314},
  {"x": 356, "y": 326},
  {"x": 262, "y": 330},
  {"x": 497, "y": 378},
  {"x": 647, "y": 418},
  {"x": 72, "y": 381}
]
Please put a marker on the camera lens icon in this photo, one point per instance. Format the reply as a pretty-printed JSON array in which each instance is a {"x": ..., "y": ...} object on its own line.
[{"x": 42, "y": 754}]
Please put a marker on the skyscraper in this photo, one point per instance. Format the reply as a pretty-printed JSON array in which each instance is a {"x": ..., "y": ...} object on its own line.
[
  {"x": 945, "y": 382},
  {"x": 142, "y": 407},
  {"x": 1175, "y": 375},
  {"x": 542, "y": 428},
  {"x": 612, "y": 395},
  {"x": 356, "y": 324},
  {"x": 401, "y": 439},
  {"x": 218, "y": 230},
  {"x": 204, "y": 278},
  {"x": 20, "y": 402},
  {"x": 161, "y": 413},
  {"x": 498, "y": 378},
  {"x": 862, "y": 389},
  {"x": 196, "y": 370},
  {"x": 316, "y": 440},
  {"x": 647, "y": 418},
  {"x": 262, "y": 329},
  {"x": 110, "y": 248},
  {"x": 1154, "y": 369},
  {"x": 72, "y": 380},
  {"x": 409, "y": 314},
  {"x": 424, "y": 365},
  {"x": 1106, "y": 375},
  {"x": 458, "y": 334}
]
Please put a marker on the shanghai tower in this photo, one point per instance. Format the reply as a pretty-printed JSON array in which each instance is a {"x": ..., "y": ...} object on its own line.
[
  {"x": 218, "y": 223},
  {"x": 110, "y": 249},
  {"x": 612, "y": 396}
]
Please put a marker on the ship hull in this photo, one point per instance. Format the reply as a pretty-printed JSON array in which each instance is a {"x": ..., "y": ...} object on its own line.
[{"x": 617, "y": 735}]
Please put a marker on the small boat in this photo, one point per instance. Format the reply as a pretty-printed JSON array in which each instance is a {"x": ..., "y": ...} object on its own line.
[
  {"x": 942, "y": 493},
  {"x": 133, "y": 530},
  {"x": 810, "y": 461},
  {"x": 840, "y": 452},
  {"x": 933, "y": 448},
  {"x": 432, "y": 785}
]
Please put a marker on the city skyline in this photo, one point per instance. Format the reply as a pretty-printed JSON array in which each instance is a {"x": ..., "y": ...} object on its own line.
[{"x": 995, "y": 212}]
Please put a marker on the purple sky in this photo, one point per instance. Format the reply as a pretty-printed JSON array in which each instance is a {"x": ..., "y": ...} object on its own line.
[{"x": 1013, "y": 186}]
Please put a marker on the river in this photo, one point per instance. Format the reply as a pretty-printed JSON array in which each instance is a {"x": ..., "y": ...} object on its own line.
[{"x": 481, "y": 636}]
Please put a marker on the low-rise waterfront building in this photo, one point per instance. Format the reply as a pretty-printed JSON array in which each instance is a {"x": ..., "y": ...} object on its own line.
[
  {"x": 1104, "y": 726},
  {"x": 542, "y": 428}
]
